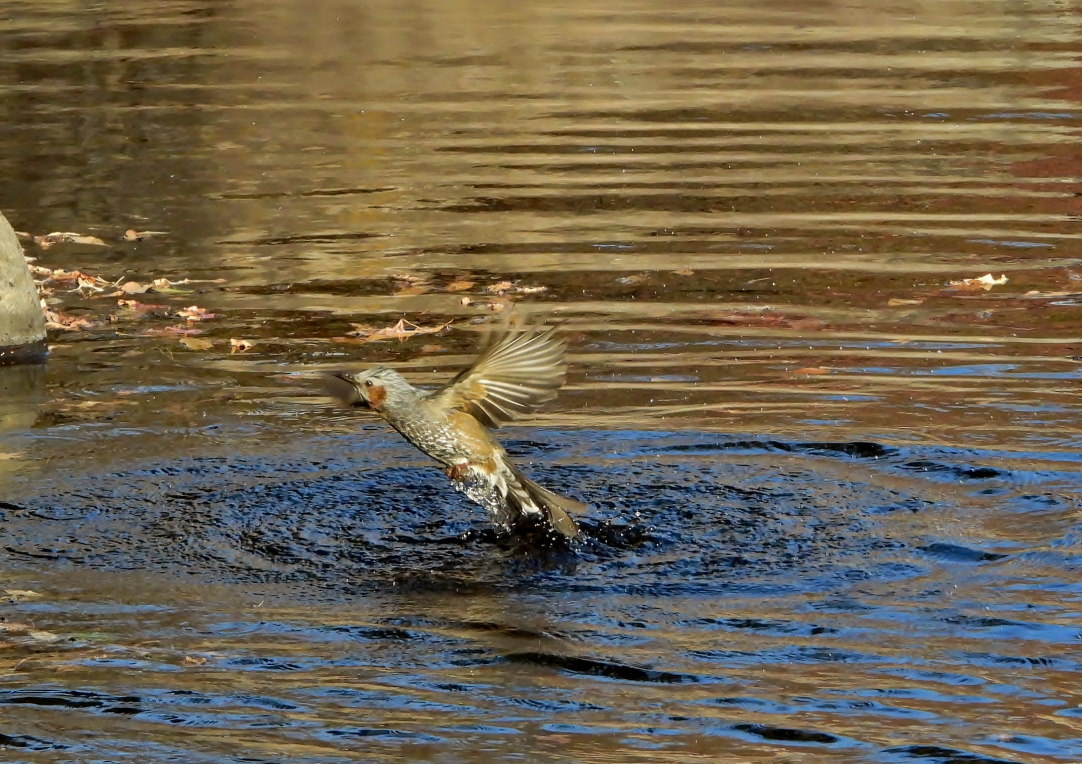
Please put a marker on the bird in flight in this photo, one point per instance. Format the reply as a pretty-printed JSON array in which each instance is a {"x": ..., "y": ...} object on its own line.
[{"x": 516, "y": 372}]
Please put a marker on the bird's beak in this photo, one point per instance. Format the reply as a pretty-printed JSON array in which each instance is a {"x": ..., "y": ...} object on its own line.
[{"x": 341, "y": 387}]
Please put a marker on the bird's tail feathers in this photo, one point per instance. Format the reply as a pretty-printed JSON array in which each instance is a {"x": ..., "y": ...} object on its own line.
[{"x": 556, "y": 508}]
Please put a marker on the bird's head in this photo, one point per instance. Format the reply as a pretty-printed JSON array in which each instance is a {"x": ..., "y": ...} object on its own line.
[{"x": 375, "y": 389}]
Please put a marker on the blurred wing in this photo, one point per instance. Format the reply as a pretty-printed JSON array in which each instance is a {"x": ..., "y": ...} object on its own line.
[{"x": 516, "y": 373}]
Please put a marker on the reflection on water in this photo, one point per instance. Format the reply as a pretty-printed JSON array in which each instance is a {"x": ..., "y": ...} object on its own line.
[
  {"x": 834, "y": 496},
  {"x": 21, "y": 390}
]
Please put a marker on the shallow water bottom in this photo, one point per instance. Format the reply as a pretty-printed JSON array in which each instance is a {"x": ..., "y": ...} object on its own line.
[{"x": 732, "y": 599}]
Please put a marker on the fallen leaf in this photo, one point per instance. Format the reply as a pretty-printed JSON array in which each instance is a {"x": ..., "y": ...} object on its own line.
[
  {"x": 460, "y": 285},
  {"x": 684, "y": 272},
  {"x": 432, "y": 349},
  {"x": 60, "y": 237},
  {"x": 82, "y": 280},
  {"x": 194, "y": 660},
  {"x": 26, "y": 630},
  {"x": 240, "y": 346},
  {"x": 141, "y": 307},
  {"x": 895, "y": 302},
  {"x": 195, "y": 313},
  {"x": 40, "y": 635},
  {"x": 22, "y": 594},
  {"x": 196, "y": 343},
  {"x": 632, "y": 280},
  {"x": 401, "y": 330},
  {"x": 155, "y": 331},
  {"x": 1037, "y": 294},
  {"x": 134, "y": 287},
  {"x": 987, "y": 281},
  {"x": 496, "y": 306},
  {"x": 64, "y": 322},
  {"x": 89, "y": 284},
  {"x": 509, "y": 287},
  {"x": 165, "y": 285},
  {"x": 132, "y": 235}
]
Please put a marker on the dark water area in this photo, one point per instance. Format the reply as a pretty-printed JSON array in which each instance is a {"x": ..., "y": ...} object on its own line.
[{"x": 835, "y": 488}]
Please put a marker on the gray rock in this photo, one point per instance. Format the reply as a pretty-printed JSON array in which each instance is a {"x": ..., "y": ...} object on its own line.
[{"x": 22, "y": 322}]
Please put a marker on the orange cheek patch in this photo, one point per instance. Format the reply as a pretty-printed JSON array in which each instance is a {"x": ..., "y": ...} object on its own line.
[{"x": 376, "y": 396}]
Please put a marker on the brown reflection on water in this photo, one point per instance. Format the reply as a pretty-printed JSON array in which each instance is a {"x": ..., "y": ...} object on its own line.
[{"x": 667, "y": 172}]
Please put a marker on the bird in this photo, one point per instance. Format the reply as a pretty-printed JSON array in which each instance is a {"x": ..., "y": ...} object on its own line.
[{"x": 516, "y": 371}]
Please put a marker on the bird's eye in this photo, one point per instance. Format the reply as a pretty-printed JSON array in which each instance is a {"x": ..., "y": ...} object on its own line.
[{"x": 368, "y": 383}]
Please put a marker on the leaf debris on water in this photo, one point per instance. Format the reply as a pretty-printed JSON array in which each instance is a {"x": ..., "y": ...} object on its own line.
[
  {"x": 27, "y": 632},
  {"x": 195, "y": 313},
  {"x": 987, "y": 281},
  {"x": 22, "y": 594},
  {"x": 134, "y": 287},
  {"x": 196, "y": 343},
  {"x": 142, "y": 307},
  {"x": 66, "y": 237},
  {"x": 496, "y": 306},
  {"x": 65, "y": 322},
  {"x": 52, "y": 283},
  {"x": 401, "y": 330},
  {"x": 511, "y": 287},
  {"x": 132, "y": 235}
]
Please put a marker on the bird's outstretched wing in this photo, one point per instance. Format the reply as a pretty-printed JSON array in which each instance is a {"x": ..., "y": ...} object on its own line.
[{"x": 516, "y": 373}]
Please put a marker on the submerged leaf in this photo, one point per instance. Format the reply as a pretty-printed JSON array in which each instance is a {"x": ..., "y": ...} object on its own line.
[{"x": 196, "y": 343}]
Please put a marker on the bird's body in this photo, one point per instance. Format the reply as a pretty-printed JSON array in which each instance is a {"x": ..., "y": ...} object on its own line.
[{"x": 514, "y": 375}]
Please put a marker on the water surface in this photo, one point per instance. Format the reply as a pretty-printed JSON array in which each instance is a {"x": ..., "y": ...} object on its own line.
[{"x": 834, "y": 496}]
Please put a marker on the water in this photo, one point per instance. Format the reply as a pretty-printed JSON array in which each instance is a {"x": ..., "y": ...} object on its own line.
[{"x": 835, "y": 499}]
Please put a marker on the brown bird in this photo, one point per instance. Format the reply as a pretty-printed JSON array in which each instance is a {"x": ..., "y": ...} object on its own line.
[{"x": 515, "y": 373}]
